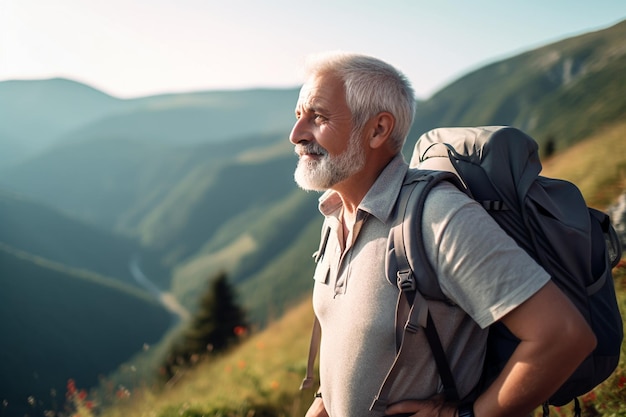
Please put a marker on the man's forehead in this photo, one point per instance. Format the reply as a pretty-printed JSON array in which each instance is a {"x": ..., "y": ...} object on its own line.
[
  {"x": 317, "y": 90},
  {"x": 308, "y": 97},
  {"x": 305, "y": 92}
]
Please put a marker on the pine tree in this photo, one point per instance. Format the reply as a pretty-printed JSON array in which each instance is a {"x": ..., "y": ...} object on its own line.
[
  {"x": 217, "y": 325},
  {"x": 219, "y": 320},
  {"x": 549, "y": 147}
]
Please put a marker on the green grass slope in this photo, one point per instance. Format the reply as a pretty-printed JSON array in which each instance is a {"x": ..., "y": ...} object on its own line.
[
  {"x": 597, "y": 165},
  {"x": 60, "y": 323},
  {"x": 266, "y": 368}
]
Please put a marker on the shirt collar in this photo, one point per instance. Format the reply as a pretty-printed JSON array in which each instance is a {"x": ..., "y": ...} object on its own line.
[{"x": 380, "y": 198}]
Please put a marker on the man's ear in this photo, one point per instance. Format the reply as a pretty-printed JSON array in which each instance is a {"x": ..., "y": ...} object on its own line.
[{"x": 381, "y": 127}]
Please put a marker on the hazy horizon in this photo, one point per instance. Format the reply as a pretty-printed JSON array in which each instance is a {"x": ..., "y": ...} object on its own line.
[{"x": 138, "y": 48}]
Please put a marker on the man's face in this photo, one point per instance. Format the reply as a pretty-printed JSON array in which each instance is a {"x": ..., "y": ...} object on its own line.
[{"x": 330, "y": 152}]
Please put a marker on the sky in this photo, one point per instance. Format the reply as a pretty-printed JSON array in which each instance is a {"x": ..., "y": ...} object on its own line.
[{"x": 133, "y": 48}]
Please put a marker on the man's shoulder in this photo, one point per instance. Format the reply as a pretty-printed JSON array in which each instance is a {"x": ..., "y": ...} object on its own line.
[
  {"x": 446, "y": 196},
  {"x": 445, "y": 202}
]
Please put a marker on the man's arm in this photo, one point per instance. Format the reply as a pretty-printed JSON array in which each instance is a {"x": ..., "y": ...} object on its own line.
[
  {"x": 317, "y": 409},
  {"x": 554, "y": 340}
]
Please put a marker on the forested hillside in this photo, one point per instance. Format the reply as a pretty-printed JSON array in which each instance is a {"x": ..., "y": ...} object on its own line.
[
  {"x": 561, "y": 92},
  {"x": 60, "y": 322}
]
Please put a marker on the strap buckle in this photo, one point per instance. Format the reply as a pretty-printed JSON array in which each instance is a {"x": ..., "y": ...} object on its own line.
[{"x": 406, "y": 280}]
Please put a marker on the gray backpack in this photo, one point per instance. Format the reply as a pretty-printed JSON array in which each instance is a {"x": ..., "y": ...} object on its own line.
[{"x": 499, "y": 167}]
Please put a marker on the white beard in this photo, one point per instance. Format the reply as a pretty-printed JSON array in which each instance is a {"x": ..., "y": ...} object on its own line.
[{"x": 322, "y": 174}]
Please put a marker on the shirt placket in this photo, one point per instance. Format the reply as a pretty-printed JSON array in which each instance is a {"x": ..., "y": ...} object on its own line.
[{"x": 345, "y": 257}]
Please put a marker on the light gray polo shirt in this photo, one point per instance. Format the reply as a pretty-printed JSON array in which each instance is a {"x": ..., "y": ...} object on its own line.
[{"x": 479, "y": 267}]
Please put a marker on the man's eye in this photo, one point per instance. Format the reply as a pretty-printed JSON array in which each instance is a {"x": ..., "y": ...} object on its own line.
[{"x": 320, "y": 118}]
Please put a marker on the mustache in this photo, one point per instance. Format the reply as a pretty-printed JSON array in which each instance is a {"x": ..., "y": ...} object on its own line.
[{"x": 310, "y": 148}]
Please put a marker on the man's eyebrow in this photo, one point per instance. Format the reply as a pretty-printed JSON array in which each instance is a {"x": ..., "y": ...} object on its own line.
[{"x": 312, "y": 106}]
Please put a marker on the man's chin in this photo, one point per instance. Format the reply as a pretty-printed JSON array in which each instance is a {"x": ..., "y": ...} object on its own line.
[
  {"x": 307, "y": 186},
  {"x": 307, "y": 183}
]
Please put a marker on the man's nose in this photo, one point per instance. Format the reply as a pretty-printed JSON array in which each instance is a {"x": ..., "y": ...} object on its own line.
[{"x": 300, "y": 133}]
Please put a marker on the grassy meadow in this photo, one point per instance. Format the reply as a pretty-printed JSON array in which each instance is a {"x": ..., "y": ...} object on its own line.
[
  {"x": 262, "y": 373},
  {"x": 586, "y": 165},
  {"x": 260, "y": 377}
]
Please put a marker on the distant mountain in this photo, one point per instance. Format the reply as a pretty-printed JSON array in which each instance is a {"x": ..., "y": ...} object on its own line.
[
  {"x": 184, "y": 202},
  {"x": 33, "y": 113},
  {"x": 129, "y": 185},
  {"x": 12, "y": 149},
  {"x": 43, "y": 231},
  {"x": 102, "y": 176},
  {"x": 563, "y": 91},
  {"x": 71, "y": 307},
  {"x": 193, "y": 118}
]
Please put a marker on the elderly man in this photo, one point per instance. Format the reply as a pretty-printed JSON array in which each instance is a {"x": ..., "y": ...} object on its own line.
[{"x": 353, "y": 115}]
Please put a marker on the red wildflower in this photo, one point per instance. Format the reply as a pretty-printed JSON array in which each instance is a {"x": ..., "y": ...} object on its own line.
[
  {"x": 122, "y": 393},
  {"x": 82, "y": 394},
  {"x": 621, "y": 383},
  {"x": 71, "y": 387},
  {"x": 240, "y": 331},
  {"x": 591, "y": 396}
]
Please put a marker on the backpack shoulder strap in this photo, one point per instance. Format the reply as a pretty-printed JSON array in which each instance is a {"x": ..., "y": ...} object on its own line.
[
  {"x": 410, "y": 252},
  {"x": 412, "y": 262},
  {"x": 316, "y": 335}
]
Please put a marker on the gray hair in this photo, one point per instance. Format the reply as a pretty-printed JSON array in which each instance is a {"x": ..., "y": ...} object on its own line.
[{"x": 372, "y": 86}]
